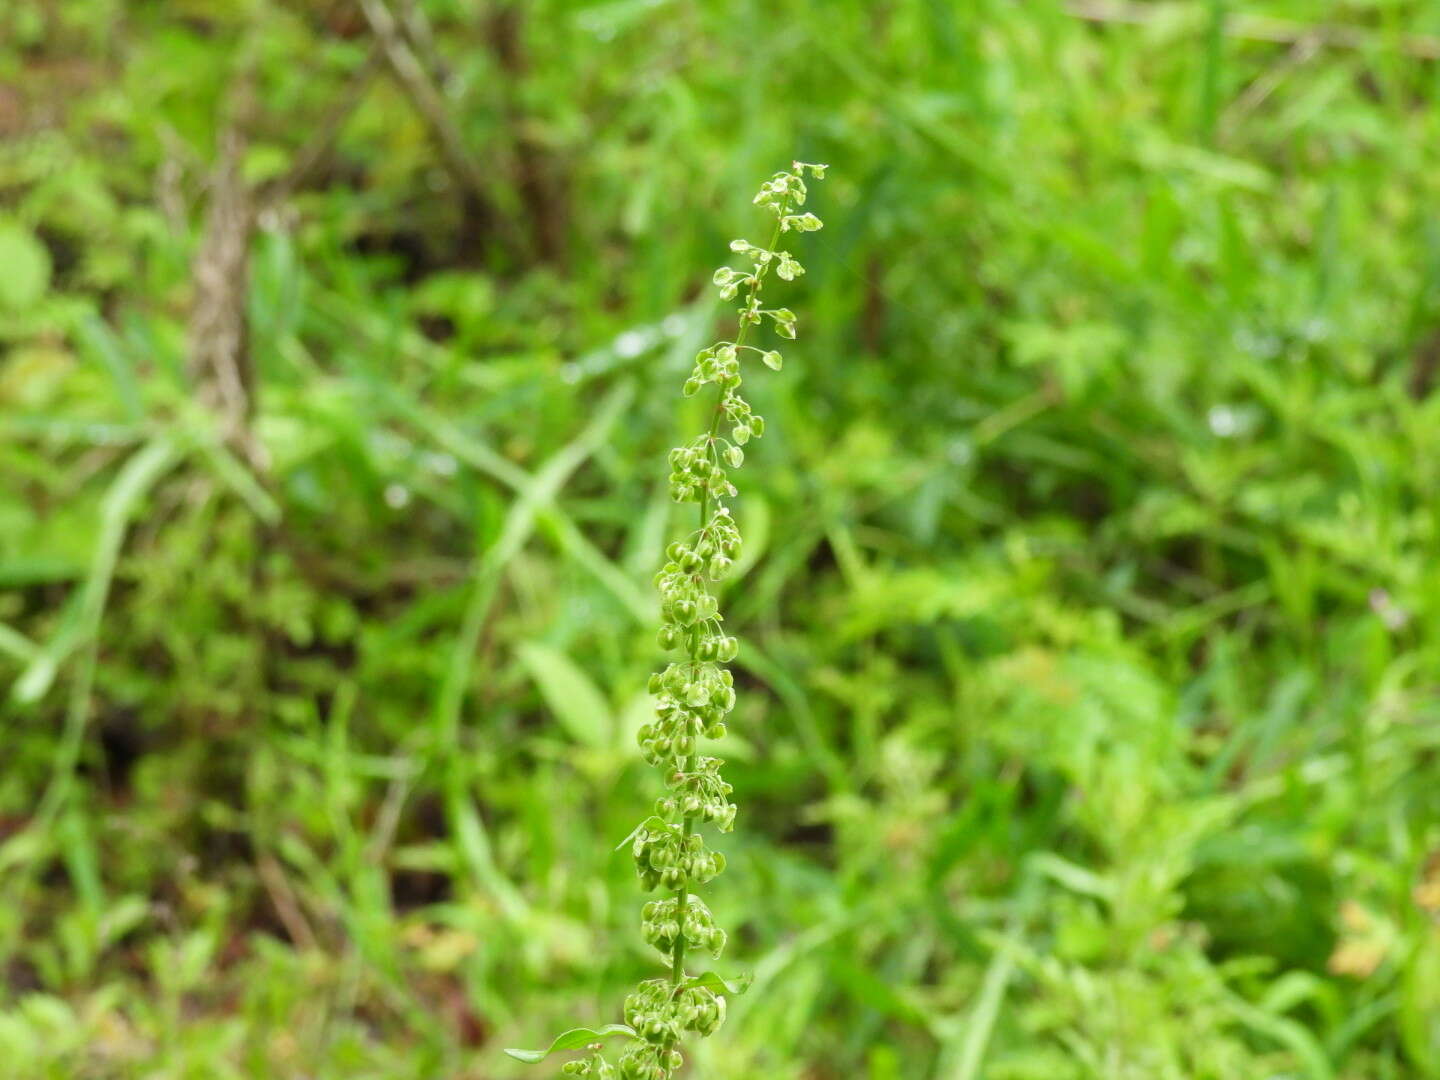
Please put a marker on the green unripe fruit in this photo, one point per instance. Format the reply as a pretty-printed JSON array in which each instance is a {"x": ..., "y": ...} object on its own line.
[
  {"x": 668, "y": 638},
  {"x": 691, "y": 387},
  {"x": 715, "y": 731}
]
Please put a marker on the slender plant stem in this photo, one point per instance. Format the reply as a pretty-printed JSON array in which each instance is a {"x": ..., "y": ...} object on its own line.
[{"x": 682, "y": 894}]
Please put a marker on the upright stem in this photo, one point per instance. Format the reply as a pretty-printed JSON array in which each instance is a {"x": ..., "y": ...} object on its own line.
[{"x": 682, "y": 894}]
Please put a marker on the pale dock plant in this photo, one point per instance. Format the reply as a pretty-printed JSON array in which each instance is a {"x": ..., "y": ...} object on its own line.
[{"x": 695, "y": 692}]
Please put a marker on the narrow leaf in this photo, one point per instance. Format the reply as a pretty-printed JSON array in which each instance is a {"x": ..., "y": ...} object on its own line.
[
  {"x": 713, "y": 982},
  {"x": 651, "y": 822},
  {"x": 573, "y": 1039},
  {"x": 570, "y": 693}
]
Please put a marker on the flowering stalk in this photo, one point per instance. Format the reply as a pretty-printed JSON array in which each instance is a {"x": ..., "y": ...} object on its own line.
[{"x": 694, "y": 694}]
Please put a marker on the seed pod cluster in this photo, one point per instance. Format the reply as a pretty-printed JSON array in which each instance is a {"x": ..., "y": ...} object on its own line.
[
  {"x": 661, "y": 925},
  {"x": 674, "y": 858},
  {"x": 696, "y": 475},
  {"x": 700, "y": 793},
  {"x": 691, "y": 699},
  {"x": 596, "y": 1066},
  {"x": 644, "y": 1060},
  {"x": 659, "y": 1012}
]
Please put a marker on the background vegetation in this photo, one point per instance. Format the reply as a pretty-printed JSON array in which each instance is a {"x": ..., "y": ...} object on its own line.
[{"x": 1089, "y": 602}]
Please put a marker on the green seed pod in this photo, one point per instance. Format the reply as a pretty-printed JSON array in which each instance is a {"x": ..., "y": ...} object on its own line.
[
  {"x": 715, "y": 731},
  {"x": 691, "y": 387},
  {"x": 668, "y": 638}
]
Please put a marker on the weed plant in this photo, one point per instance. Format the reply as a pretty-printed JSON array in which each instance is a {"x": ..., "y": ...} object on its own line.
[{"x": 695, "y": 694}]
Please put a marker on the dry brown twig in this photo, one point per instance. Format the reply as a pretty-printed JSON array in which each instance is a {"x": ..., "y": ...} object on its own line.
[
  {"x": 218, "y": 331},
  {"x": 430, "y": 103}
]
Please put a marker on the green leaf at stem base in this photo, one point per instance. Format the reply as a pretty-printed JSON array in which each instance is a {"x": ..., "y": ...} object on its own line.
[{"x": 573, "y": 1039}]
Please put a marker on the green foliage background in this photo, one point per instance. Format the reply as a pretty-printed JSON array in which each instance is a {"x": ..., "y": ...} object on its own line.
[{"x": 1089, "y": 603}]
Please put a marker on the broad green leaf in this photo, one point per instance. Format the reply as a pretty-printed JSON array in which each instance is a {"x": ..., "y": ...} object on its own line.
[
  {"x": 570, "y": 694},
  {"x": 24, "y": 267},
  {"x": 573, "y": 1039}
]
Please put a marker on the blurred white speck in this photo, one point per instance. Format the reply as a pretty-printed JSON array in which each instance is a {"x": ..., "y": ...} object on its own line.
[
  {"x": 673, "y": 325},
  {"x": 960, "y": 451},
  {"x": 1224, "y": 421},
  {"x": 441, "y": 464},
  {"x": 570, "y": 373},
  {"x": 1391, "y": 614},
  {"x": 397, "y": 496},
  {"x": 631, "y": 344}
]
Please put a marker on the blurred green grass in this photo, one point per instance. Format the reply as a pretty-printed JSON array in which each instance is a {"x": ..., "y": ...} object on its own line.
[{"x": 1088, "y": 724}]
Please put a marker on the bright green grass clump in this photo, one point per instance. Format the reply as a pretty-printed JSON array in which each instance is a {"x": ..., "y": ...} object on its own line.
[{"x": 1087, "y": 614}]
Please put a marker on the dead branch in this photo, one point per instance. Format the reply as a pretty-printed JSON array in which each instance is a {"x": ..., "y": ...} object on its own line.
[
  {"x": 219, "y": 339},
  {"x": 428, "y": 101}
]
